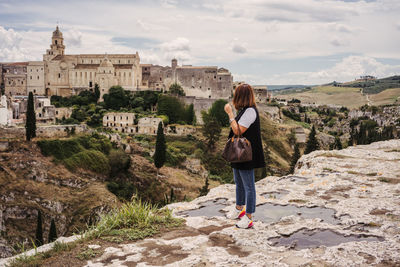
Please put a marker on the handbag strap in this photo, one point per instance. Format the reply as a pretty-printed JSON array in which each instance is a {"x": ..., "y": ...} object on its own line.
[{"x": 240, "y": 134}]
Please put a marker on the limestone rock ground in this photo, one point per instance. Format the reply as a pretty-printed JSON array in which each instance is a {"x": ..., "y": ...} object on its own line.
[
  {"x": 339, "y": 208},
  {"x": 342, "y": 206}
]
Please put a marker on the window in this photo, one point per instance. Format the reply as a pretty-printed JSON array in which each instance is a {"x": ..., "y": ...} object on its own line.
[
  {"x": 220, "y": 78},
  {"x": 31, "y": 77},
  {"x": 129, "y": 61},
  {"x": 59, "y": 75},
  {"x": 56, "y": 112},
  {"x": 38, "y": 77},
  {"x": 34, "y": 90},
  {"x": 160, "y": 79},
  {"x": 55, "y": 41}
]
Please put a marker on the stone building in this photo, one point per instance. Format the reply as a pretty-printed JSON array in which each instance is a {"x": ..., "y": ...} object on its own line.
[
  {"x": 198, "y": 81},
  {"x": 14, "y": 78},
  {"x": 45, "y": 112},
  {"x": 119, "y": 119},
  {"x": 63, "y": 113}
]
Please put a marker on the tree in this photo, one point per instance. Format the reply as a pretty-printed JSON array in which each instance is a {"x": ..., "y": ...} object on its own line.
[
  {"x": 159, "y": 154},
  {"x": 116, "y": 98},
  {"x": 190, "y": 115},
  {"x": 211, "y": 130},
  {"x": 96, "y": 92},
  {"x": 39, "y": 230},
  {"x": 176, "y": 89},
  {"x": 30, "y": 125},
  {"x": 204, "y": 190},
  {"x": 217, "y": 111},
  {"x": 295, "y": 157},
  {"x": 172, "y": 107},
  {"x": 312, "y": 143},
  {"x": 52, "y": 232},
  {"x": 119, "y": 162},
  {"x": 338, "y": 144}
]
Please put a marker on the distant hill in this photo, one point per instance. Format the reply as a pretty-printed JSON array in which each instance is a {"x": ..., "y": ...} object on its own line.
[
  {"x": 286, "y": 87},
  {"x": 350, "y": 94},
  {"x": 376, "y": 86}
]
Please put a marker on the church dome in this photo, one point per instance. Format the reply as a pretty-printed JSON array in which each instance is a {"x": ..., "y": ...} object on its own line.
[
  {"x": 57, "y": 33},
  {"x": 106, "y": 63}
]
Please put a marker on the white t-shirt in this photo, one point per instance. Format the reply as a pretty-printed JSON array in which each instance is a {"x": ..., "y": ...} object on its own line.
[{"x": 248, "y": 117}]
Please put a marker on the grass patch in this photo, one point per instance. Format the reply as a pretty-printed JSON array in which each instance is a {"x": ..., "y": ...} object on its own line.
[
  {"x": 87, "y": 254},
  {"x": 133, "y": 220},
  {"x": 328, "y": 169},
  {"x": 372, "y": 174}
]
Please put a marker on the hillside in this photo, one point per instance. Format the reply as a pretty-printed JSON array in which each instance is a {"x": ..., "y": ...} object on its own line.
[{"x": 351, "y": 97}]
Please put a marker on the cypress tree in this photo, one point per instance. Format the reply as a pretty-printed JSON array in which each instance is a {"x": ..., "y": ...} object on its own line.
[
  {"x": 96, "y": 92},
  {"x": 39, "y": 230},
  {"x": 312, "y": 143},
  {"x": 190, "y": 115},
  {"x": 159, "y": 154},
  {"x": 204, "y": 190},
  {"x": 172, "y": 195},
  {"x": 52, "y": 232},
  {"x": 338, "y": 143},
  {"x": 295, "y": 157},
  {"x": 30, "y": 125}
]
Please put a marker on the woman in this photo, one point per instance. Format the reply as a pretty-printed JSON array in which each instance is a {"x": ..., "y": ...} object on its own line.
[{"x": 248, "y": 121}]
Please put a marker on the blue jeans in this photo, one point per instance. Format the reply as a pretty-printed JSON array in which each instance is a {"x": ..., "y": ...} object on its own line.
[{"x": 245, "y": 189}]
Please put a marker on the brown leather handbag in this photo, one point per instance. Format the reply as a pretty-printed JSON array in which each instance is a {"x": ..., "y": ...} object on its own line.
[{"x": 237, "y": 149}]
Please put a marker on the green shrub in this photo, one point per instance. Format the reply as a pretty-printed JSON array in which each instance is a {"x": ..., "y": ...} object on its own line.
[
  {"x": 187, "y": 148},
  {"x": 119, "y": 162},
  {"x": 123, "y": 190},
  {"x": 60, "y": 149},
  {"x": 90, "y": 160},
  {"x": 174, "y": 157}
]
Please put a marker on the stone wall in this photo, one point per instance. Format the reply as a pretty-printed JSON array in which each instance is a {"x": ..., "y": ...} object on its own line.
[{"x": 48, "y": 131}]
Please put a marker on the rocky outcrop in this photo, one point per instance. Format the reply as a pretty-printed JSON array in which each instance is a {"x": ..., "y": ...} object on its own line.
[{"x": 340, "y": 208}]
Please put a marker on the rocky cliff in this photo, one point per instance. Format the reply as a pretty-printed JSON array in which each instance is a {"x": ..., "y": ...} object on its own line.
[{"x": 339, "y": 208}]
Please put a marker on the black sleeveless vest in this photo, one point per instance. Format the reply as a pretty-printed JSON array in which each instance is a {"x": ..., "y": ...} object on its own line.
[{"x": 253, "y": 134}]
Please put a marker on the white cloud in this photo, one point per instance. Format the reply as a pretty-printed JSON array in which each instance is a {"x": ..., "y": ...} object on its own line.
[
  {"x": 73, "y": 37},
  {"x": 11, "y": 48},
  {"x": 178, "y": 44}
]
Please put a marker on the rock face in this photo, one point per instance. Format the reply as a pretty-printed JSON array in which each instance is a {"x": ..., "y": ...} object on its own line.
[
  {"x": 340, "y": 208},
  {"x": 30, "y": 182}
]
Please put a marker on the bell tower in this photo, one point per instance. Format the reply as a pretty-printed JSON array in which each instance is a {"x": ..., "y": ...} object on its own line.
[{"x": 57, "y": 46}]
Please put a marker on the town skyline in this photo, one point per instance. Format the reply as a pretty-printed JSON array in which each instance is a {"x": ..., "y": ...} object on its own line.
[{"x": 260, "y": 42}]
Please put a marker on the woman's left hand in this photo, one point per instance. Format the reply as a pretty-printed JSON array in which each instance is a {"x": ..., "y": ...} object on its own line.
[{"x": 228, "y": 108}]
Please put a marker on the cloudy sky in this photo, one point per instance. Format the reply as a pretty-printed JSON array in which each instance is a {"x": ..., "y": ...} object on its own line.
[{"x": 259, "y": 41}]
